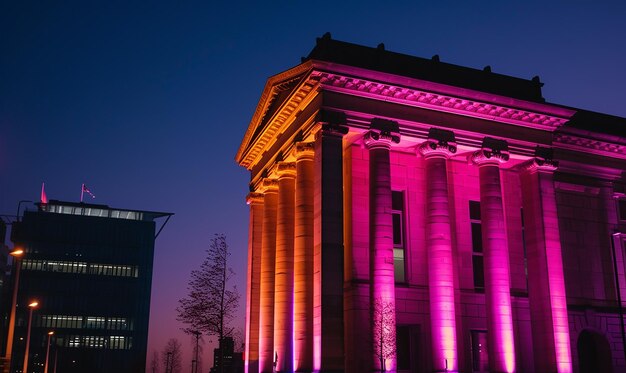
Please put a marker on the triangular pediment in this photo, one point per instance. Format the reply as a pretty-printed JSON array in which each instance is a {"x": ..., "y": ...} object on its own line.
[{"x": 278, "y": 89}]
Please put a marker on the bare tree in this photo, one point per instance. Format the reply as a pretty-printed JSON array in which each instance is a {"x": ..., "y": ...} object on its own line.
[
  {"x": 239, "y": 340},
  {"x": 154, "y": 363},
  {"x": 211, "y": 303},
  {"x": 383, "y": 331},
  {"x": 172, "y": 356}
]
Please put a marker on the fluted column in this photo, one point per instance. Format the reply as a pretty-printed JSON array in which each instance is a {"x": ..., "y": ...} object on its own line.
[
  {"x": 328, "y": 253},
  {"x": 283, "y": 296},
  {"x": 268, "y": 266},
  {"x": 303, "y": 258},
  {"x": 546, "y": 282},
  {"x": 382, "y": 281},
  {"x": 253, "y": 293},
  {"x": 496, "y": 257},
  {"x": 439, "y": 254}
]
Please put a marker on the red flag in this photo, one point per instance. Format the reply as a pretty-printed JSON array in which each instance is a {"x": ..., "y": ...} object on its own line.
[
  {"x": 43, "y": 198},
  {"x": 83, "y": 190}
]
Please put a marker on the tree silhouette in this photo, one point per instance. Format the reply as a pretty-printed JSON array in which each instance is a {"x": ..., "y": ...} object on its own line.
[
  {"x": 383, "y": 331},
  {"x": 172, "y": 356},
  {"x": 154, "y": 363},
  {"x": 211, "y": 303}
]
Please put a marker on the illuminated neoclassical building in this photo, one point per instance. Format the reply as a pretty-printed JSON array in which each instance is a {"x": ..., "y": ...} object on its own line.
[{"x": 450, "y": 210}]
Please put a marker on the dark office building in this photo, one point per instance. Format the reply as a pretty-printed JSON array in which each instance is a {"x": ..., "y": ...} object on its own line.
[
  {"x": 5, "y": 294},
  {"x": 233, "y": 361},
  {"x": 90, "y": 268}
]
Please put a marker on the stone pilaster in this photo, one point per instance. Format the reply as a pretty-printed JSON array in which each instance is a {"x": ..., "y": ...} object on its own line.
[
  {"x": 268, "y": 266},
  {"x": 283, "y": 295},
  {"x": 328, "y": 349},
  {"x": 253, "y": 291},
  {"x": 382, "y": 281},
  {"x": 439, "y": 254},
  {"x": 303, "y": 258},
  {"x": 546, "y": 282},
  {"x": 496, "y": 257}
]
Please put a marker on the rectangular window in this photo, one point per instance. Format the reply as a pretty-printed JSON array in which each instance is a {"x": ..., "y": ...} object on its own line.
[
  {"x": 480, "y": 354},
  {"x": 399, "y": 249},
  {"x": 477, "y": 245},
  {"x": 521, "y": 210},
  {"x": 94, "y": 322},
  {"x": 621, "y": 205}
]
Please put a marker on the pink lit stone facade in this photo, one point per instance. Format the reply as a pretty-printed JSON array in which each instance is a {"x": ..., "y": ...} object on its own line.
[{"x": 486, "y": 219}]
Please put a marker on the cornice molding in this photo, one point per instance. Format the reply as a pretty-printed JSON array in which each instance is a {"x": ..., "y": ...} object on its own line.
[
  {"x": 436, "y": 101},
  {"x": 306, "y": 80},
  {"x": 251, "y": 147},
  {"x": 585, "y": 144}
]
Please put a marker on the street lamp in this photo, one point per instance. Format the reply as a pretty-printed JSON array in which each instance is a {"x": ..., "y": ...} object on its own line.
[
  {"x": 32, "y": 306},
  {"x": 17, "y": 254},
  {"x": 45, "y": 369}
]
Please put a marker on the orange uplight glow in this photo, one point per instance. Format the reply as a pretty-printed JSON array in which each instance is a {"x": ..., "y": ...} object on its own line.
[
  {"x": 17, "y": 252},
  {"x": 33, "y": 304}
]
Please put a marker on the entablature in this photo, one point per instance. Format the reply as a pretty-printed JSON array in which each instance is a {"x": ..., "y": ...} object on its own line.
[{"x": 318, "y": 77}]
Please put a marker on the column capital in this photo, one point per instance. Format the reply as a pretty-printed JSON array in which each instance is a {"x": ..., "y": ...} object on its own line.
[
  {"x": 375, "y": 139},
  {"x": 436, "y": 148},
  {"x": 492, "y": 152},
  {"x": 484, "y": 157},
  {"x": 269, "y": 185},
  {"x": 255, "y": 198},
  {"x": 304, "y": 150},
  {"x": 286, "y": 169},
  {"x": 329, "y": 129},
  {"x": 537, "y": 164}
]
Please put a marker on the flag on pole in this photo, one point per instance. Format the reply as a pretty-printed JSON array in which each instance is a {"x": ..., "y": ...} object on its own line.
[
  {"x": 43, "y": 198},
  {"x": 84, "y": 190}
]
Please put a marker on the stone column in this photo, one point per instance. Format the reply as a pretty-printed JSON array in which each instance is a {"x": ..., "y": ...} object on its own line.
[
  {"x": 439, "y": 253},
  {"x": 496, "y": 257},
  {"x": 382, "y": 281},
  {"x": 303, "y": 258},
  {"x": 253, "y": 293},
  {"x": 328, "y": 349},
  {"x": 283, "y": 295},
  {"x": 268, "y": 266},
  {"x": 546, "y": 282}
]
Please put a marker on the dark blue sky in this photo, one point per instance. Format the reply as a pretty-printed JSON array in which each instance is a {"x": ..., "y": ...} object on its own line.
[{"x": 147, "y": 103}]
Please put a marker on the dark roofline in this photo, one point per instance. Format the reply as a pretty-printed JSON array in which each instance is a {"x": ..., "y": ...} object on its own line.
[
  {"x": 154, "y": 214},
  {"x": 379, "y": 59},
  {"x": 592, "y": 121}
]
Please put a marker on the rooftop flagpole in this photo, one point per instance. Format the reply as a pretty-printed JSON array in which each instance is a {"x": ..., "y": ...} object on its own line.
[{"x": 82, "y": 191}]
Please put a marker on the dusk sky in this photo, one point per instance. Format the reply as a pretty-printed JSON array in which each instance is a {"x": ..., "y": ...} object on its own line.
[{"x": 147, "y": 103}]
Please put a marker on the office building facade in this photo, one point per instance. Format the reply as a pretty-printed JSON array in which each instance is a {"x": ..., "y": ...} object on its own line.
[
  {"x": 90, "y": 269},
  {"x": 420, "y": 216}
]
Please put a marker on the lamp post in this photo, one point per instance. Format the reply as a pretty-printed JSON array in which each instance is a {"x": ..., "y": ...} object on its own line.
[
  {"x": 17, "y": 254},
  {"x": 45, "y": 369},
  {"x": 32, "y": 306}
]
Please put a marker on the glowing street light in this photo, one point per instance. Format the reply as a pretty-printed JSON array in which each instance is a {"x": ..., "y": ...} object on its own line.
[
  {"x": 45, "y": 369},
  {"x": 17, "y": 254},
  {"x": 32, "y": 306}
]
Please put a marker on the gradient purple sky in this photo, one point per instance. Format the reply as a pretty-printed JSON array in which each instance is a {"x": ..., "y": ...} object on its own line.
[{"x": 147, "y": 102}]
